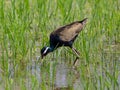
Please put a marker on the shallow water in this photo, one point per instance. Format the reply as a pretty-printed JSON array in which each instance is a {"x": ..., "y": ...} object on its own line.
[{"x": 64, "y": 77}]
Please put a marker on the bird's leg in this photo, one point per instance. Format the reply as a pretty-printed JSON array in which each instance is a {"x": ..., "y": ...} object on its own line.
[
  {"x": 76, "y": 52},
  {"x": 78, "y": 55},
  {"x": 75, "y": 62}
]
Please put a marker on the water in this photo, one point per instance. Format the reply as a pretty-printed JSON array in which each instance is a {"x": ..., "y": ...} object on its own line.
[{"x": 60, "y": 79}]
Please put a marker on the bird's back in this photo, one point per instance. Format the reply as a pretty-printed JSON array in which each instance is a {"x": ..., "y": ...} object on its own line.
[{"x": 70, "y": 31}]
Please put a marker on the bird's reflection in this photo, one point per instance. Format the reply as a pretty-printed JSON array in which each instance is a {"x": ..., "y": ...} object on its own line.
[{"x": 65, "y": 77}]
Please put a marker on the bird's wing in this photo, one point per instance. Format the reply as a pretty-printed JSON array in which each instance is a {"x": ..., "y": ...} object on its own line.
[{"x": 68, "y": 32}]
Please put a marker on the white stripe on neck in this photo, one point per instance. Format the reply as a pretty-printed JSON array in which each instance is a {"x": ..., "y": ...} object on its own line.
[{"x": 45, "y": 50}]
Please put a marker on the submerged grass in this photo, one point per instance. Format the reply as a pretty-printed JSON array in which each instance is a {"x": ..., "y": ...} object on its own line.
[{"x": 25, "y": 26}]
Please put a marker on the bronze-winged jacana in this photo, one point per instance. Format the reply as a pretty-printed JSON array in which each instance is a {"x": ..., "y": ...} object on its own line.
[{"x": 64, "y": 36}]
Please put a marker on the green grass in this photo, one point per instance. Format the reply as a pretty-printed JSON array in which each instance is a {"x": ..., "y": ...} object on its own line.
[{"x": 25, "y": 26}]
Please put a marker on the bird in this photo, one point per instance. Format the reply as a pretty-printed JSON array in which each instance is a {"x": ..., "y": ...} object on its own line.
[{"x": 64, "y": 36}]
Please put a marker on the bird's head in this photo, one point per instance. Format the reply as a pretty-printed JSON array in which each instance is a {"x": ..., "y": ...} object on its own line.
[{"x": 45, "y": 51}]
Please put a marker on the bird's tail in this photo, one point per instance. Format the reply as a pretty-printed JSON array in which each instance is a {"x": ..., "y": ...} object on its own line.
[{"x": 83, "y": 22}]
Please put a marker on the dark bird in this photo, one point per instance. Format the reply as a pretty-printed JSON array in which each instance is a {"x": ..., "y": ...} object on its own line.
[{"x": 64, "y": 36}]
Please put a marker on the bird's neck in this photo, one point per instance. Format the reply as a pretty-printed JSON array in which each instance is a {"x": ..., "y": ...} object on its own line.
[{"x": 51, "y": 49}]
